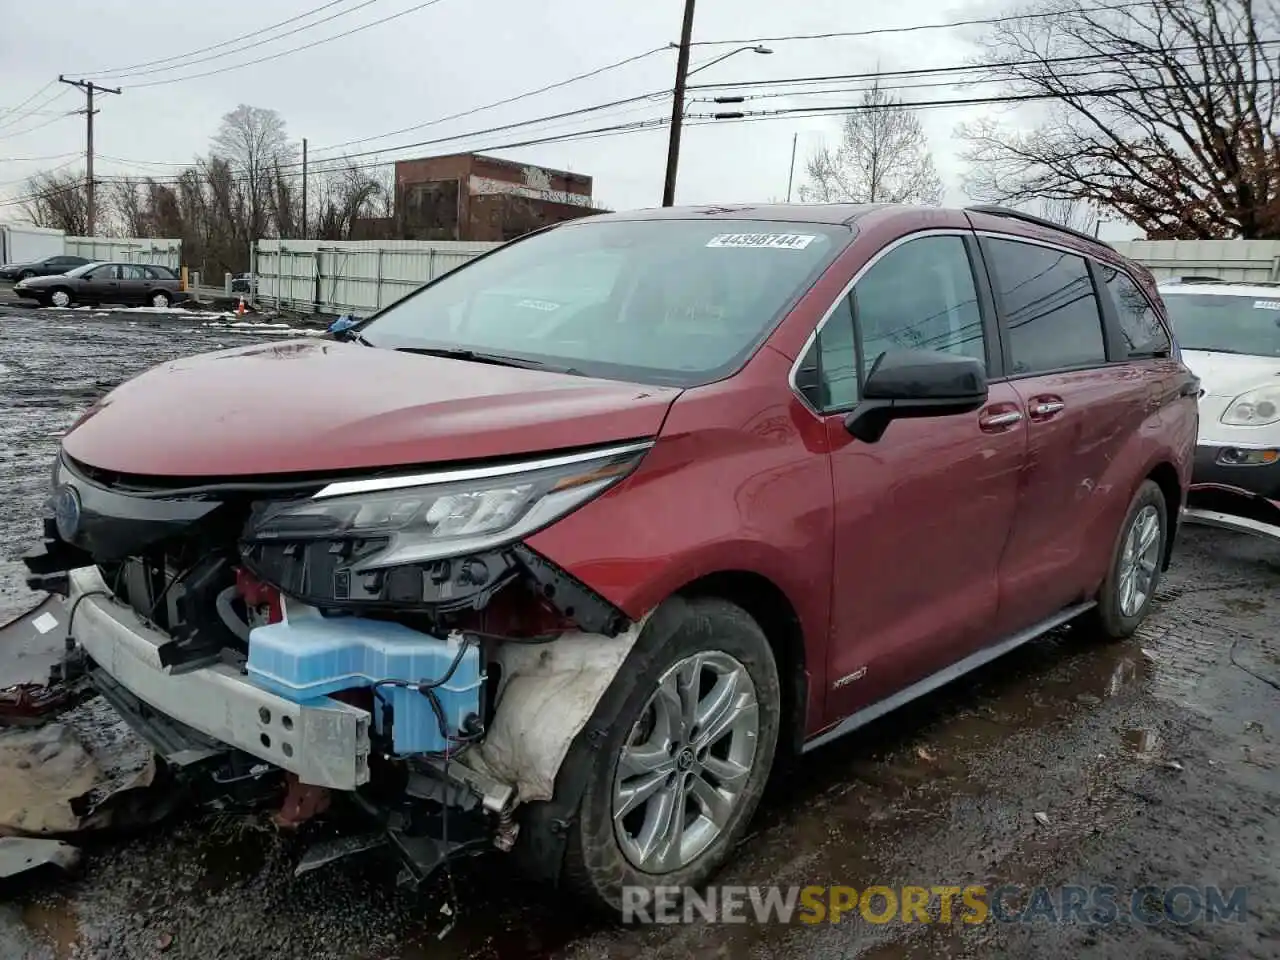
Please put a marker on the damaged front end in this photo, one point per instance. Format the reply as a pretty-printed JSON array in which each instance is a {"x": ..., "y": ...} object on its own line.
[{"x": 388, "y": 643}]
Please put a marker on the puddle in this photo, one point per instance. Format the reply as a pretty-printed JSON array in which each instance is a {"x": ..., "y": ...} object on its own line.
[{"x": 53, "y": 921}]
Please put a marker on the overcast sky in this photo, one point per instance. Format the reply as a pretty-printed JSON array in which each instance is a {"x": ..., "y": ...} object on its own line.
[{"x": 454, "y": 55}]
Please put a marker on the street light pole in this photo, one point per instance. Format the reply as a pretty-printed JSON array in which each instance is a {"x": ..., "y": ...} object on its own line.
[{"x": 677, "y": 106}]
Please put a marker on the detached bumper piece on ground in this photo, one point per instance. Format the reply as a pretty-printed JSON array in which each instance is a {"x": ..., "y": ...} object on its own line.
[{"x": 1233, "y": 508}]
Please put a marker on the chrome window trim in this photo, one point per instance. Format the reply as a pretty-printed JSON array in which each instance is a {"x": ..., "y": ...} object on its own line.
[
  {"x": 813, "y": 335},
  {"x": 343, "y": 488}
]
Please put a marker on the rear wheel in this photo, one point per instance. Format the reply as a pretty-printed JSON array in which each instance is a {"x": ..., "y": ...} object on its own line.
[
  {"x": 686, "y": 758},
  {"x": 159, "y": 299},
  {"x": 60, "y": 298},
  {"x": 1128, "y": 591}
]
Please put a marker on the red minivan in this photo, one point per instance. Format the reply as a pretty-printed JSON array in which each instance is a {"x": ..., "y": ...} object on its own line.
[{"x": 559, "y": 553}]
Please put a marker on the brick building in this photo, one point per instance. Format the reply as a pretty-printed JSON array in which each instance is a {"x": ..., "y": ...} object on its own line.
[{"x": 468, "y": 196}]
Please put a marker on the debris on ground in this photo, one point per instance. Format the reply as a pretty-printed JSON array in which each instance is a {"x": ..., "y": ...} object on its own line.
[
  {"x": 1041, "y": 818},
  {"x": 21, "y": 854}
]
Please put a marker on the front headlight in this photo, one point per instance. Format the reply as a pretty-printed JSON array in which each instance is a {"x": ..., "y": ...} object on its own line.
[
  {"x": 1254, "y": 408},
  {"x": 450, "y": 513}
]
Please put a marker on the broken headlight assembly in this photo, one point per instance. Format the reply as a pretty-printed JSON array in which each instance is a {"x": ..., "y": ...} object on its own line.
[{"x": 431, "y": 538}]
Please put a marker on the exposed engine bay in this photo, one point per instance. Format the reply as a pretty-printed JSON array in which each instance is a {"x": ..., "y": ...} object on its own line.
[{"x": 285, "y": 646}]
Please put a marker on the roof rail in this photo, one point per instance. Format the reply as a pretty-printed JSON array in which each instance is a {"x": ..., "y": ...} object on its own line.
[
  {"x": 995, "y": 210},
  {"x": 1223, "y": 280}
]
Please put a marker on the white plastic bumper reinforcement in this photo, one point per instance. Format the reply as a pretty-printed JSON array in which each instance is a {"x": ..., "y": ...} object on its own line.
[{"x": 325, "y": 742}]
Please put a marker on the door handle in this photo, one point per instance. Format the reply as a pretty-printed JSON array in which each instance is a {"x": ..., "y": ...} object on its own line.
[
  {"x": 995, "y": 422},
  {"x": 1044, "y": 409}
]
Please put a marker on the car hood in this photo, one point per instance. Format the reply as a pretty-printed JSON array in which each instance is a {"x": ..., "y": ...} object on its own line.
[
  {"x": 1230, "y": 374},
  {"x": 49, "y": 280},
  {"x": 319, "y": 406}
]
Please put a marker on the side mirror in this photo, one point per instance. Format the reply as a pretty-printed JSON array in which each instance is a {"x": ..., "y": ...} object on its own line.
[{"x": 916, "y": 383}]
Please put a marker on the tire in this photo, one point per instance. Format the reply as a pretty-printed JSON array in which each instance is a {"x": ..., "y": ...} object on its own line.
[
  {"x": 727, "y": 648},
  {"x": 61, "y": 298},
  {"x": 1119, "y": 613},
  {"x": 26, "y": 275},
  {"x": 160, "y": 299}
]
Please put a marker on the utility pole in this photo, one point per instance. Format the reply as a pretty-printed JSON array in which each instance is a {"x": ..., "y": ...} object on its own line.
[
  {"x": 88, "y": 86},
  {"x": 795, "y": 139},
  {"x": 304, "y": 188},
  {"x": 677, "y": 106}
]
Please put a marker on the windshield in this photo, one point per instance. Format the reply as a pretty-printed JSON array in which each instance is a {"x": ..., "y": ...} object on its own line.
[
  {"x": 81, "y": 270},
  {"x": 1226, "y": 322},
  {"x": 654, "y": 301}
]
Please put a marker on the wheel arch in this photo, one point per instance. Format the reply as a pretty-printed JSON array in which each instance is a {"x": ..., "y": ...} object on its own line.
[
  {"x": 773, "y": 610},
  {"x": 1165, "y": 476}
]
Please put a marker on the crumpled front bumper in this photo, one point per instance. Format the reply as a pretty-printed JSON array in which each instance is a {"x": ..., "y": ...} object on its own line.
[{"x": 324, "y": 742}]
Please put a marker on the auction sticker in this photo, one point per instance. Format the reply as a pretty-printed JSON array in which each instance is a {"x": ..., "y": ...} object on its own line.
[
  {"x": 1266, "y": 304},
  {"x": 771, "y": 241}
]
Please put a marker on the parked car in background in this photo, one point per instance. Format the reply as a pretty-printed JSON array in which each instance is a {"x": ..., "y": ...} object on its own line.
[
  {"x": 604, "y": 520},
  {"x": 125, "y": 283},
  {"x": 48, "y": 267},
  {"x": 243, "y": 283},
  {"x": 1230, "y": 337}
]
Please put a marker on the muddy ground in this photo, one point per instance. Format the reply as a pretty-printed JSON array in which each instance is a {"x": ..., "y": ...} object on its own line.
[{"x": 1150, "y": 762}]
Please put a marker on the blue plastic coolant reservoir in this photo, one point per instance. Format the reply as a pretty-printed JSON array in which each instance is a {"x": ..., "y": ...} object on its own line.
[{"x": 313, "y": 656}]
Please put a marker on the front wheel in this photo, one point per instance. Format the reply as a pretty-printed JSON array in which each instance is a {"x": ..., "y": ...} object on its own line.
[
  {"x": 60, "y": 298},
  {"x": 1129, "y": 589},
  {"x": 685, "y": 760},
  {"x": 26, "y": 275}
]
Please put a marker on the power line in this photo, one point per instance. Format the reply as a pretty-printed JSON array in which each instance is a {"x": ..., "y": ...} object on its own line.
[
  {"x": 52, "y": 156},
  {"x": 969, "y": 68},
  {"x": 500, "y": 103},
  {"x": 240, "y": 47},
  {"x": 27, "y": 114},
  {"x": 590, "y": 134},
  {"x": 291, "y": 50},
  {"x": 10, "y": 110},
  {"x": 38, "y": 126},
  {"x": 916, "y": 28},
  {"x": 826, "y": 109},
  {"x": 123, "y": 71}
]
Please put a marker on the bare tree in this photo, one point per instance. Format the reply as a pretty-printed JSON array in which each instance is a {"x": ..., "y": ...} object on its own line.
[
  {"x": 347, "y": 193},
  {"x": 1071, "y": 213},
  {"x": 57, "y": 201},
  {"x": 1164, "y": 112},
  {"x": 883, "y": 157},
  {"x": 253, "y": 143},
  {"x": 127, "y": 204}
]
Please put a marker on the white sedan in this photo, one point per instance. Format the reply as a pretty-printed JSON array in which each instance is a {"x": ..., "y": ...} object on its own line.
[{"x": 1229, "y": 334}]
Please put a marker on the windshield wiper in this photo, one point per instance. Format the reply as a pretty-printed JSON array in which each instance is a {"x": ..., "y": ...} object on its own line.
[{"x": 479, "y": 356}]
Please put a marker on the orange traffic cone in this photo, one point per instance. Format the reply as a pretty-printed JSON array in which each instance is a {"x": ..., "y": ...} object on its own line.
[{"x": 240, "y": 308}]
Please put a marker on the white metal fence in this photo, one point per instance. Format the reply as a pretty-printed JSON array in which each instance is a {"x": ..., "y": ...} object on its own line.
[
  {"x": 354, "y": 276},
  {"x": 1253, "y": 260},
  {"x": 166, "y": 253},
  {"x": 361, "y": 276}
]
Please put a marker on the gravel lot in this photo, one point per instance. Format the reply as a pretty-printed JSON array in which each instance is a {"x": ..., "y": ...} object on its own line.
[{"x": 1154, "y": 761}]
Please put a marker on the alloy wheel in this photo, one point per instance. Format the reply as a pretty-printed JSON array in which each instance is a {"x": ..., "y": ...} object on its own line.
[
  {"x": 61, "y": 298},
  {"x": 159, "y": 300},
  {"x": 685, "y": 764},
  {"x": 1139, "y": 560}
]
